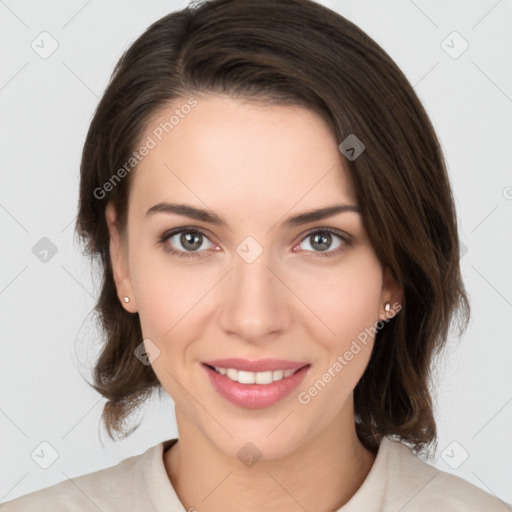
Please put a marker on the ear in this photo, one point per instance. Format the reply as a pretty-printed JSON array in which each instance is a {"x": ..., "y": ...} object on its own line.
[
  {"x": 392, "y": 292},
  {"x": 119, "y": 260}
]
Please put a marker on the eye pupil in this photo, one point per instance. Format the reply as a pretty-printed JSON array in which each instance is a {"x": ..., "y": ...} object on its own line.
[
  {"x": 191, "y": 238},
  {"x": 319, "y": 239}
]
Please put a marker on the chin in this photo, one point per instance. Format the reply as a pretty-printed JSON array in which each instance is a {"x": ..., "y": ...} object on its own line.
[{"x": 259, "y": 442}]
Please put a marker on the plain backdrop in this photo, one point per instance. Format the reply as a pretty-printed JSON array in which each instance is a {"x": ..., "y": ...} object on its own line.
[{"x": 49, "y": 340}]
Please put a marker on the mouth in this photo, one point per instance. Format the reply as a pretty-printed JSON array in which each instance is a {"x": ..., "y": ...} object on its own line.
[
  {"x": 255, "y": 389},
  {"x": 247, "y": 377}
]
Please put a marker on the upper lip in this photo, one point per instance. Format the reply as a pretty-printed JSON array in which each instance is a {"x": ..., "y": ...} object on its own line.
[{"x": 261, "y": 365}]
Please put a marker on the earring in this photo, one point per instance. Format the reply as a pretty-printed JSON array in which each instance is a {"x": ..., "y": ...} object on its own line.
[
  {"x": 387, "y": 307},
  {"x": 127, "y": 299}
]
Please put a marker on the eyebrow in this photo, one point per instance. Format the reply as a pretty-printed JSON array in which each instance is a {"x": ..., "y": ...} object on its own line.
[{"x": 212, "y": 218}]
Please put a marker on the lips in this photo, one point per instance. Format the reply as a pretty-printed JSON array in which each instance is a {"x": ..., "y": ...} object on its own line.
[{"x": 255, "y": 395}]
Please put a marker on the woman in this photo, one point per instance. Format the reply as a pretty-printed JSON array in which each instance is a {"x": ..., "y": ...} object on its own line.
[{"x": 279, "y": 243}]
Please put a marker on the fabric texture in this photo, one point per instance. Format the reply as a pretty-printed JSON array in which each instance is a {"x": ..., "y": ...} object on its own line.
[{"x": 397, "y": 481}]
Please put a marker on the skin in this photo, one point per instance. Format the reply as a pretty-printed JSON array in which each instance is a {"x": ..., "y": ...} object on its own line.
[{"x": 253, "y": 165}]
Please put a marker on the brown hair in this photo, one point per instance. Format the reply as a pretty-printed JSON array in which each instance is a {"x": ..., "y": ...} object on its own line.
[{"x": 292, "y": 52}]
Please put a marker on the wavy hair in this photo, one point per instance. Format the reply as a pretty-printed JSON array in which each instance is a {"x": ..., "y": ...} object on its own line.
[{"x": 291, "y": 52}]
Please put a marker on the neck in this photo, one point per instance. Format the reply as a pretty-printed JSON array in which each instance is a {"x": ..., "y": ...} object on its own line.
[{"x": 332, "y": 465}]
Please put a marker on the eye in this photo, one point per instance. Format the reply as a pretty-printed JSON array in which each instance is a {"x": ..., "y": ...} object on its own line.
[
  {"x": 321, "y": 241},
  {"x": 190, "y": 240}
]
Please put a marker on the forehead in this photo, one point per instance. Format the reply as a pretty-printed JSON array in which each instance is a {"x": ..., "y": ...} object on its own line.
[{"x": 225, "y": 152}]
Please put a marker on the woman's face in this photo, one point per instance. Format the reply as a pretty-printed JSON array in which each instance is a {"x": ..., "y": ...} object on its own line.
[{"x": 251, "y": 286}]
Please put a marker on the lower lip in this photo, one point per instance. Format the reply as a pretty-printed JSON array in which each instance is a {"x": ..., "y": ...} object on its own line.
[{"x": 255, "y": 396}]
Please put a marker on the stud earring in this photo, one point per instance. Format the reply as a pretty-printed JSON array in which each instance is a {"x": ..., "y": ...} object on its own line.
[
  {"x": 387, "y": 307},
  {"x": 127, "y": 299}
]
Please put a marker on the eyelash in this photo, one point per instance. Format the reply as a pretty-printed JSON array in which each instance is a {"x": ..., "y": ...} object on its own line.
[{"x": 347, "y": 242}]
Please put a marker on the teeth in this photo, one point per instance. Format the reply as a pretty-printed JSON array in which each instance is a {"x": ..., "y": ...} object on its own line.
[
  {"x": 244, "y": 377},
  {"x": 232, "y": 374},
  {"x": 277, "y": 374},
  {"x": 263, "y": 377}
]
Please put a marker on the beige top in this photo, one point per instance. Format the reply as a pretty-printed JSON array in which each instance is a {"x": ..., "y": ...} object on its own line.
[{"x": 397, "y": 481}]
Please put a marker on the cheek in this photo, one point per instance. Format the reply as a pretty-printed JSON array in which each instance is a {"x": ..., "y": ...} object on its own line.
[
  {"x": 349, "y": 303},
  {"x": 165, "y": 291},
  {"x": 172, "y": 303},
  {"x": 348, "y": 298}
]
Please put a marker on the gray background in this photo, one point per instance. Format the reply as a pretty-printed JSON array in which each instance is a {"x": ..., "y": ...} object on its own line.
[{"x": 48, "y": 338}]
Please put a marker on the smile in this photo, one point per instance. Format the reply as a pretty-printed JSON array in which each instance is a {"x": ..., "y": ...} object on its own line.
[
  {"x": 244, "y": 377},
  {"x": 251, "y": 389}
]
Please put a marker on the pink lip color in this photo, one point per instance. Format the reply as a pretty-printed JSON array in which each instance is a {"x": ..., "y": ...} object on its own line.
[{"x": 254, "y": 396}]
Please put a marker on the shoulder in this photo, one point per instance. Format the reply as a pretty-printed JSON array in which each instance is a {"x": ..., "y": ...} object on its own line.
[
  {"x": 100, "y": 490},
  {"x": 419, "y": 486}
]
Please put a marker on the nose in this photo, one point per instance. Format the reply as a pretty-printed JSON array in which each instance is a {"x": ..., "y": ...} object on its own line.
[{"x": 255, "y": 302}]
